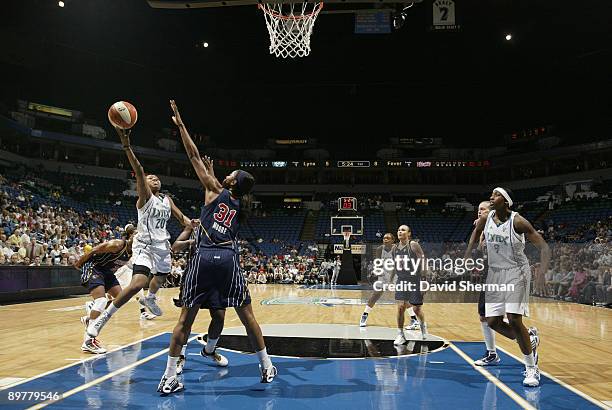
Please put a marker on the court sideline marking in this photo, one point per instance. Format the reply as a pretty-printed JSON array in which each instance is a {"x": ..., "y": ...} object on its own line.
[
  {"x": 29, "y": 379},
  {"x": 104, "y": 378},
  {"x": 498, "y": 383},
  {"x": 562, "y": 383}
]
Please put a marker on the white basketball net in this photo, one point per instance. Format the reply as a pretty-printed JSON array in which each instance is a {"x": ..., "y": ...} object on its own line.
[{"x": 290, "y": 27}]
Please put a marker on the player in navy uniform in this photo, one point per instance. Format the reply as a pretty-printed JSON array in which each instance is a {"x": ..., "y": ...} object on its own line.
[
  {"x": 98, "y": 276},
  {"x": 408, "y": 249},
  {"x": 188, "y": 240},
  {"x": 213, "y": 279}
]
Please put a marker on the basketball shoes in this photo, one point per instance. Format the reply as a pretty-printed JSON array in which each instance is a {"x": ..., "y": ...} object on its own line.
[
  {"x": 414, "y": 325},
  {"x": 92, "y": 345},
  {"x": 150, "y": 302},
  {"x": 489, "y": 359},
  {"x": 216, "y": 358},
  {"x": 168, "y": 385},
  {"x": 267, "y": 375}
]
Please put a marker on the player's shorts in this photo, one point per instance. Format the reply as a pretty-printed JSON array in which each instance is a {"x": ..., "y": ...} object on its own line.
[
  {"x": 515, "y": 299},
  {"x": 156, "y": 257},
  {"x": 124, "y": 275},
  {"x": 414, "y": 297},
  {"x": 100, "y": 277},
  {"x": 214, "y": 280}
]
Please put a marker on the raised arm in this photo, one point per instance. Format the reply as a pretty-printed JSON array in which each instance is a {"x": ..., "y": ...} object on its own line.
[
  {"x": 208, "y": 163},
  {"x": 475, "y": 237},
  {"x": 105, "y": 247},
  {"x": 208, "y": 181},
  {"x": 522, "y": 225},
  {"x": 144, "y": 192}
]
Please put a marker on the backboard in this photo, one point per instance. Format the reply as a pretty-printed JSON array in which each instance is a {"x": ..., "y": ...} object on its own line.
[{"x": 340, "y": 224}]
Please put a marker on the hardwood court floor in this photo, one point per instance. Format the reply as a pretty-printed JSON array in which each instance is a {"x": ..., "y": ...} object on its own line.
[{"x": 576, "y": 339}]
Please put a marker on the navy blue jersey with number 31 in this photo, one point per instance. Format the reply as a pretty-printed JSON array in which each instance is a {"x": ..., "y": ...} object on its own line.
[{"x": 219, "y": 222}]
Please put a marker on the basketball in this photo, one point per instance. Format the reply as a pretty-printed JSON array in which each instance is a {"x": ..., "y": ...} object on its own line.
[{"x": 122, "y": 114}]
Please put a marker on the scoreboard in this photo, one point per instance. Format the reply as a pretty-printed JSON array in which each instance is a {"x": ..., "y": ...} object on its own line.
[
  {"x": 376, "y": 164},
  {"x": 347, "y": 203}
]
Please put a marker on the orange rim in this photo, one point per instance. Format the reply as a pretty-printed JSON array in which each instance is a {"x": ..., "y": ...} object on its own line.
[{"x": 283, "y": 17}]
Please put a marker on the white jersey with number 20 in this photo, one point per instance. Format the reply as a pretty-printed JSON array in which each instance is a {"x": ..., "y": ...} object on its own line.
[{"x": 152, "y": 220}]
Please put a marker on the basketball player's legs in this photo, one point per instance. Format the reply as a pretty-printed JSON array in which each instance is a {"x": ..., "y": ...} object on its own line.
[
  {"x": 371, "y": 302},
  {"x": 416, "y": 303},
  {"x": 401, "y": 310},
  {"x": 169, "y": 383},
  {"x": 490, "y": 358},
  {"x": 514, "y": 330},
  {"x": 98, "y": 294},
  {"x": 245, "y": 313},
  {"x": 136, "y": 284}
]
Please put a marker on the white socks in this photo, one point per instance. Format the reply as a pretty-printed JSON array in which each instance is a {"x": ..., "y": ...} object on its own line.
[
  {"x": 367, "y": 309},
  {"x": 411, "y": 313},
  {"x": 529, "y": 360},
  {"x": 489, "y": 337},
  {"x": 111, "y": 309},
  {"x": 171, "y": 366},
  {"x": 264, "y": 359},
  {"x": 183, "y": 350},
  {"x": 210, "y": 345}
]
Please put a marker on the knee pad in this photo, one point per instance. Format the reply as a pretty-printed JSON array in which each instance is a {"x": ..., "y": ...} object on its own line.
[{"x": 99, "y": 304}]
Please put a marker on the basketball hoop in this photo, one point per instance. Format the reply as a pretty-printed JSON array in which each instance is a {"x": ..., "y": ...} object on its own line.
[
  {"x": 290, "y": 26},
  {"x": 347, "y": 237}
]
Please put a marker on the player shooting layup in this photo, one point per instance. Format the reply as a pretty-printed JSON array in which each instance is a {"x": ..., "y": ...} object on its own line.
[{"x": 151, "y": 246}]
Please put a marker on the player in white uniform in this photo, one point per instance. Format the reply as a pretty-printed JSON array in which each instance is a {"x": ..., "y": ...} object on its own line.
[
  {"x": 505, "y": 233},
  {"x": 151, "y": 247},
  {"x": 336, "y": 270},
  {"x": 383, "y": 252}
]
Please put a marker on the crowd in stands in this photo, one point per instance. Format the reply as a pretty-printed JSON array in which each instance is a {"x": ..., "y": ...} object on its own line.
[
  {"x": 39, "y": 234},
  {"x": 50, "y": 233},
  {"x": 287, "y": 267}
]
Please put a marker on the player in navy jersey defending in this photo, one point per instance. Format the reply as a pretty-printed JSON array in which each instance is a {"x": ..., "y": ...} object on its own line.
[
  {"x": 98, "y": 276},
  {"x": 213, "y": 279}
]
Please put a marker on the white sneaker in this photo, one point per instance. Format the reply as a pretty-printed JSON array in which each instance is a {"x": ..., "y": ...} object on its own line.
[
  {"x": 364, "y": 320},
  {"x": 94, "y": 328},
  {"x": 414, "y": 325},
  {"x": 400, "y": 339},
  {"x": 92, "y": 346},
  {"x": 150, "y": 302},
  {"x": 217, "y": 358},
  {"x": 169, "y": 385},
  {"x": 147, "y": 316},
  {"x": 532, "y": 377},
  {"x": 267, "y": 375},
  {"x": 180, "y": 364},
  {"x": 424, "y": 331}
]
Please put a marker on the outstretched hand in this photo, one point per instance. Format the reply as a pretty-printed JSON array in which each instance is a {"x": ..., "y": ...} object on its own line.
[
  {"x": 177, "y": 116},
  {"x": 208, "y": 163}
]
